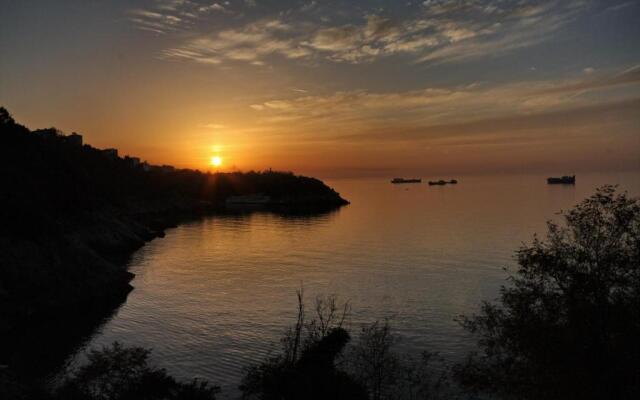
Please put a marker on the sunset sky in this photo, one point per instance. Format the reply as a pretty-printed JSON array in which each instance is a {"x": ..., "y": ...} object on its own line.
[{"x": 334, "y": 88}]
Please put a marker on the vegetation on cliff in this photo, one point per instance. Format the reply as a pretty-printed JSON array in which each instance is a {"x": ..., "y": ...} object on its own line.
[{"x": 71, "y": 213}]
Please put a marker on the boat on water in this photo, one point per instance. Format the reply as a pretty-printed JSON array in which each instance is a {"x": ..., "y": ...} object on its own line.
[
  {"x": 443, "y": 182},
  {"x": 404, "y": 180},
  {"x": 563, "y": 180}
]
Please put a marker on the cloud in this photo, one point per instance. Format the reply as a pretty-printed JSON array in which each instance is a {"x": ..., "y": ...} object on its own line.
[
  {"x": 361, "y": 111},
  {"x": 621, "y": 6},
  {"x": 440, "y": 31},
  {"x": 593, "y": 81},
  {"x": 503, "y": 30},
  {"x": 336, "y": 38},
  {"x": 543, "y": 126},
  {"x": 250, "y": 43},
  {"x": 167, "y": 16},
  {"x": 215, "y": 7},
  {"x": 155, "y": 21}
]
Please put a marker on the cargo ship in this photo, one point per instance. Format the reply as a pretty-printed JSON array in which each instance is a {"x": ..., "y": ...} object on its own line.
[
  {"x": 404, "y": 180},
  {"x": 564, "y": 180},
  {"x": 443, "y": 182}
]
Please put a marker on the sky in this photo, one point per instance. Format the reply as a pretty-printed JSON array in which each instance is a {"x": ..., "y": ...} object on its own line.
[{"x": 334, "y": 88}]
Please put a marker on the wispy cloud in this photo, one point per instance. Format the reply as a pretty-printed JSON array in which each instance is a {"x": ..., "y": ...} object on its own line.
[
  {"x": 504, "y": 29},
  {"x": 439, "y": 31},
  {"x": 154, "y": 21},
  {"x": 594, "y": 81},
  {"x": 415, "y": 109},
  {"x": 250, "y": 43},
  {"x": 167, "y": 16}
]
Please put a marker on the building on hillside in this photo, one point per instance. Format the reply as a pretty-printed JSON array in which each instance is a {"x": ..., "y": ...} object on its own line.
[
  {"x": 132, "y": 161},
  {"x": 47, "y": 133},
  {"x": 112, "y": 154},
  {"x": 74, "y": 139}
]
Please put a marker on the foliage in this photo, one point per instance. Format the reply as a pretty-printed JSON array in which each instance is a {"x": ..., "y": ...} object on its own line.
[
  {"x": 11, "y": 387},
  {"x": 306, "y": 368},
  {"x": 5, "y": 117},
  {"x": 569, "y": 324},
  {"x": 372, "y": 360},
  {"x": 123, "y": 373},
  {"x": 319, "y": 362},
  {"x": 389, "y": 375},
  {"x": 423, "y": 378}
]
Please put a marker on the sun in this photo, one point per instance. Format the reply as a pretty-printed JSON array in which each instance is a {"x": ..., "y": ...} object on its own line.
[{"x": 216, "y": 161}]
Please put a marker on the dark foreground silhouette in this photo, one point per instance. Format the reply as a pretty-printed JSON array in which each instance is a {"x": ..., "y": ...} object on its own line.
[
  {"x": 320, "y": 360},
  {"x": 70, "y": 216},
  {"x": 113, "y": 373},
  {"x": 566, "y": 325}
]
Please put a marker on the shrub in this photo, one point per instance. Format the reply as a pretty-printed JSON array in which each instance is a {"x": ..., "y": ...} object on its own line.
[
  {"x": 568, "y": 325},
  {"x": 123, "y": 373}
]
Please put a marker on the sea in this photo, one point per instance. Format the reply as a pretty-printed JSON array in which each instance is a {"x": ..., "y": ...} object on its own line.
[{"x": 215, "y": 295}]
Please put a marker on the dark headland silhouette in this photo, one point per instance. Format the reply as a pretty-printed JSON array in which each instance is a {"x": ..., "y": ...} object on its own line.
[{"x": 72, "y": 213}]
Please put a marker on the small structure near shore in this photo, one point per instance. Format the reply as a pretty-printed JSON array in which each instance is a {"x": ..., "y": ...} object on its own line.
[{"x": 251, "y": 199}]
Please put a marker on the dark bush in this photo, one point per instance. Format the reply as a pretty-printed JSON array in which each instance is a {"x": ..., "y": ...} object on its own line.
[
  {"x": 123, "y": 373},
  {"x": 568, "y": 326},
  {"x": 306, "y": 368}
]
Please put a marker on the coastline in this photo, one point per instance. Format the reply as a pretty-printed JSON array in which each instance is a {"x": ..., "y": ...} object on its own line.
[
  {"x": 73, "y": 215},
  {"x": 66, "y": 321}
]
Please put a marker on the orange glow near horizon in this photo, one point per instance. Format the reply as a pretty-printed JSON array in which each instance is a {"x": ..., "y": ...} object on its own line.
[{"x": 315, "y": 92}]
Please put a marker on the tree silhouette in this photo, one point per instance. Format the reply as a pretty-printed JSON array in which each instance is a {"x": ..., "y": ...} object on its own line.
[
  {"x": 5, "y": 117},
  {"x": 306, "y": 368},
  {"x": 123, "y": 373},
  {"x": 568, "y": 326}
]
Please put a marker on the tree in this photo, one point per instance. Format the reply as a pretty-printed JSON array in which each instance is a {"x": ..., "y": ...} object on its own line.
[
  {"x": 5, "y": 117},
  {"x": 372, "y": 360},
  {"x": 390, "y": 375},
  {"x": 568, "y": 326},
  {"x": 122, "y": 373},
  {"x": 306, "y": 368}
]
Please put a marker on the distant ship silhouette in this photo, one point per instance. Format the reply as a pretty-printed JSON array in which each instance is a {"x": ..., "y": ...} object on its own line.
[
  {"x": 443, "y": 182},
  {"x": 403, "y": 180},
  {"x": 566, "y": 180}
]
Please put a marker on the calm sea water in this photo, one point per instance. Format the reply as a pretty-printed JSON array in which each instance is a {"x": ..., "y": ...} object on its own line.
[{"x": 215, "y": 295}]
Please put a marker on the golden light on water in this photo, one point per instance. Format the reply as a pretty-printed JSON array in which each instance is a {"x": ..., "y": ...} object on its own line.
[{"x": 216, "y": 161}]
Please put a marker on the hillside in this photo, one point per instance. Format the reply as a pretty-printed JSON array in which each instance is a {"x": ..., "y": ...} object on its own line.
[{"x": 71, "y": 214}]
